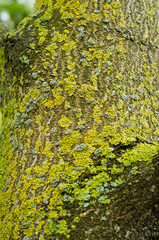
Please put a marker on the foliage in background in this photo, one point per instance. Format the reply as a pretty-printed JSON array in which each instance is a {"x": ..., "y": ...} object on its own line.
[{"x": 13, "y": 11}]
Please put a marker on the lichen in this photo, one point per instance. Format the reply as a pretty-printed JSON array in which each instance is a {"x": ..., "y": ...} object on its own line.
[{"x": 80, "y": 123}]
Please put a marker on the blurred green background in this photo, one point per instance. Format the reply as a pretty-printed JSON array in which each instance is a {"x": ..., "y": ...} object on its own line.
[{"x": 13, "y": 11}]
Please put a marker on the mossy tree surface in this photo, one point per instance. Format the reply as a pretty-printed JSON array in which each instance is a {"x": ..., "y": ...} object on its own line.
[{"x": 79, "y": 141}]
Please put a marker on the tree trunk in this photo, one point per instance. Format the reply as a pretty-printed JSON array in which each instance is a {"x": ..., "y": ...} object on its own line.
[{"x": 79, "y": 141}]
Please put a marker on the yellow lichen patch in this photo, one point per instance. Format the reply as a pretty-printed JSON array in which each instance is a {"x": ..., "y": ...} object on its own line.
[
  {"x": 58, "y": 4},
  {"x": 81, "y": 10},
  {"x": 120, "y": 106},
  {"x": 151, "y": 13},
  {"x": 48, "y": 103},
  {"x": 154, "y": 120},
  {"x": 46, "y": 130},
  {"x": 108, "y": 131},
  {"x": 120, "y": 48},
  {"x": 106, "y": 152},
  {"x": 28, "y": 172},
  {"x": 22, "y": 132},
  {"x": 98, "y": 54},
  {"x": 57, "y": 93},
  {"x": 46, "y": 63},
  {"x": 116, "y": 4},
  {"x": 67, "y": 105},
  {"x": 86, "y": 91},
  {"x": 94, "y": 17},
  {"x": 109, "y": 37},
  {"x": 94, "y": 79},
  {"x": 64, "y": 122},
  {"x": 69, "y": 46},
  {"x": 59, "y": 37},
  {"x": 115, "y": 137},
  {"x": 106, "y": 57},
  {"x": 68, "y": 141},
  {"x": 37, "y": 169},
  {"x": 40, "y": 3},
  {"x": 142, "y": 152},
  {"x": 107, "y": 6},
  {"x": 124, "y": 138},
  {"x": 44, "y": 169},
  {"x": 97, "y": 114},
  {"x": 41, "y": 40},
  {"x": 83, "y": 158},
  {"x": 99, "y": 178},
  {"x": 41, "y": 128},
  {"x": 47, "y": 150},
  {"x": 53, "y": 214},
  {"x": 111, "y": 111},
  {"x": 39, "y": 227},
  {"x": 27, "y": 144},
  {"x": 38, "y": 145},
  {"x": 29, "y": 132},
  {"x": 78, "y": 112},
  {"x": 71, "y": 65},
  {"x": 116, "y": 170},
  {"x": 51, "y": 48},
  {"x": 42, "y": 33},
  {"x": 119, "y": 76},
  {"x": 92, "y": 138},
  {"x": 81, "y": 122},
  {"x": 70, "y": 84}
]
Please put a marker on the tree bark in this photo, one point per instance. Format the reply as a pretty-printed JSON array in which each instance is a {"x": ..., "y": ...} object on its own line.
[{"x": 79, "y": 140}]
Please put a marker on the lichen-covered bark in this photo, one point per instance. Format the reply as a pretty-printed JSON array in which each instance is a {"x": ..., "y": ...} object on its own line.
[{"x": 79, "y": 142}]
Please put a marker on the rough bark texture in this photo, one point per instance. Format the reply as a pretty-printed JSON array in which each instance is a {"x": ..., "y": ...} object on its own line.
[{"x": 78, "y": 151}]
